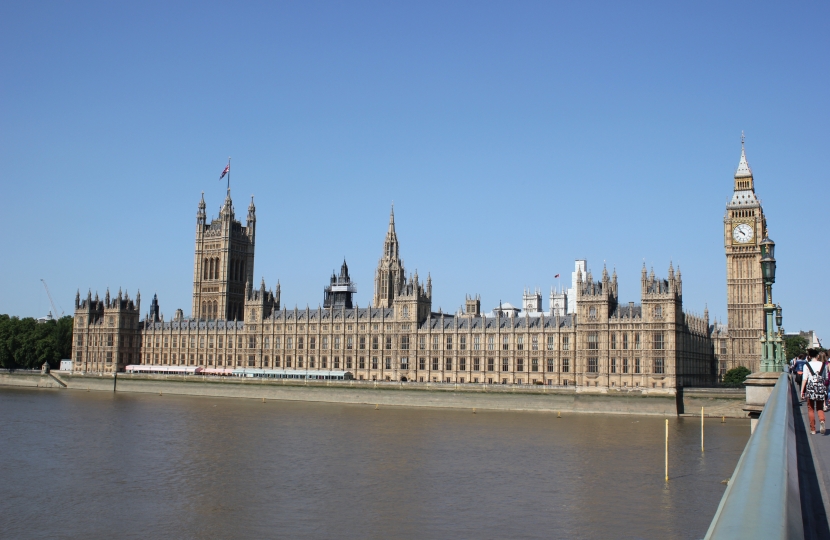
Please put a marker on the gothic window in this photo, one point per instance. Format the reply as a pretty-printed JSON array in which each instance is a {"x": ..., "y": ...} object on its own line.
[
  {"x": 637, "y": 340},
  {"x": 252, "y": 342},
  {"x": 504, "y": 364},
  {"x": 534, "y": 342},
  {"x": 405, "y": 312},
  {"x": 205, "y": 267},
  {"x": 476, "y": 343},
  {"x": 267, "y": 343},
  {"x": 491, "y": 364},
  {"x": 565, "y": 343},
  {"x": 422, "y": 343},
  {"x": 593, "y": 340},
  {"x": 361, "y": 362},
  {"x": 404, "y": 343},
  {"x": 491, "y": 343},
  {"x": 658, "y": 341},
  {"x": 361, "y": 342},
  {"x": 448, "y": 364},
  {"x": 325, "y": 342},
  {"x": 422, "y": 363},
  {"x": 300, "y": 343},
  {"x": 337, "y": 342},
  {"x": 592, "y": 365},
  {"x": 566, "y": 365},
  {"x": 449, "y": 343},
  {"x": 505, "y": 343},
  {"x": 550, "y": 365},
  {"x": 520, "y": 364},
  {"x": 658, "y": 312},
  {"x": 374, "y": 362},
  {"x": 551, "y": 342},
  {"x": 476, "y": 364},
  {"x": 388, "y": 342},
  {"x": 658, "y": 365},
  {"x": 312, "y": 343},
  {"x": 613, "y": 365},
  {"x": 625, "y": 343},
  {"x": 388, "y": 362},
  {"x": 289, "y": 343},
  {"x": 636, "y": 365},
  {"x": 435, "y": 343},
  {"x": 520, "y": 343},
  {"x": 434, "y": 364},
  {"x": 534, "y": 364},
  {"x": 374, "y": 342},
  {"x": 462, "y": 345},
  {"x": 592, "y": 312}
]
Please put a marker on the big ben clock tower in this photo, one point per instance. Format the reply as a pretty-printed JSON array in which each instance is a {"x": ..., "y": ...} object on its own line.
[{"x": 744, "y": 228}]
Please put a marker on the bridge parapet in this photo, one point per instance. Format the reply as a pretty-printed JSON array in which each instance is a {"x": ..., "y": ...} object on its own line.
[{"x": 763, "y": 498}]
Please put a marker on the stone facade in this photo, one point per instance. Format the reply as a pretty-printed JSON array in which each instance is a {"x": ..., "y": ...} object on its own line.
[{"x": 603, "y": 343}]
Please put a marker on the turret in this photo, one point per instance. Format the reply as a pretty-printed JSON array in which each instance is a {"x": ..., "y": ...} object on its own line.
[{"x": 201, "y": 217}]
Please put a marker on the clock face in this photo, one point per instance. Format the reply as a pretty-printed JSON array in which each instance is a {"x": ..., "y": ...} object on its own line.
[{"x": 742, "y": 233}]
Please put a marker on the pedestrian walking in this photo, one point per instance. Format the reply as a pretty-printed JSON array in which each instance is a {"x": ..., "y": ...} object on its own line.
[{"x": 813, "y": 388}]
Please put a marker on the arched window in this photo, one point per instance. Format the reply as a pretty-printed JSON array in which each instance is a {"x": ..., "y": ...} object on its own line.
[
  {"x": 204, "y": 310},
  {"x": 210, "y": 269},
  {"x": 205, "y": 266},
  {"x": 233, "y": 269},
  {"x": 216, "y": 269},
  {"x": 243, "y": 274},
  {"x": 215, "y": 309}
]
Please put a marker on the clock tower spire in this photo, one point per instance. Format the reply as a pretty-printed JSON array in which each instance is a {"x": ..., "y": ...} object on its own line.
[{"x": 744, "y": 227}]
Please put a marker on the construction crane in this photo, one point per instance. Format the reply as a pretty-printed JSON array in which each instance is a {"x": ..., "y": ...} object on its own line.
[{"x": 54, "y": 309}]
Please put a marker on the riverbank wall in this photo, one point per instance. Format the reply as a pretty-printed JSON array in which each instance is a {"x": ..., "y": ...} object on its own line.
[{"x": 716, "y": 402}]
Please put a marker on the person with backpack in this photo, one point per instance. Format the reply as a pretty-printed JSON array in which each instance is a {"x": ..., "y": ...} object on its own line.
[
  {"x": 799, "y": 368},
  {"x": 814, "y": 390}
]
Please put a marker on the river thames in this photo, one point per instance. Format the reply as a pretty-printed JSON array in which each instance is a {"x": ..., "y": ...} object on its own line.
[{"x": 101, "y": 465}]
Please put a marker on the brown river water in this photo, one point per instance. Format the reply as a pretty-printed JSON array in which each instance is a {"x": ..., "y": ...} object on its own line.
[{"x": 99, "y": 465}]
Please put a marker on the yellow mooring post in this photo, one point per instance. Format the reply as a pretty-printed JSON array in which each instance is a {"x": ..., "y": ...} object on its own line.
[
  {"x": 701, "y": 429},
  {"x": 667, "y": 449}
]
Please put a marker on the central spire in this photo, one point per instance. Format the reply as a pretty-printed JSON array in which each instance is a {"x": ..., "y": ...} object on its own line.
[{"x": 392, "y": 219}]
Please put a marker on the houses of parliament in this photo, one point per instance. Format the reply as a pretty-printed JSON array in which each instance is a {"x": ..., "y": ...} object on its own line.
[{"x": 587, "y": 337}]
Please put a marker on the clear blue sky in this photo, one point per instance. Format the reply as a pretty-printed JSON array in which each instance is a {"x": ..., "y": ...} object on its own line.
[{"x": 513, "y": 138}]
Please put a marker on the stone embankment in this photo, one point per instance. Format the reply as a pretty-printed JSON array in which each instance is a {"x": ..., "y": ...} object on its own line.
[{"x": 716, "y": 402}]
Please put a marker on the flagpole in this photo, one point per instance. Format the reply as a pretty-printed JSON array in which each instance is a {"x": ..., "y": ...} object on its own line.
[{"x": 229, "y": 174}]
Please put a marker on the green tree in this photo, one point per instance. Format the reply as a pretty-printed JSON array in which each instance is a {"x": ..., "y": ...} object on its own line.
[
  {"x": 25, "y": 344},
  {"x": 735, "y": 377},
  {"x": 794, "y": 346}
]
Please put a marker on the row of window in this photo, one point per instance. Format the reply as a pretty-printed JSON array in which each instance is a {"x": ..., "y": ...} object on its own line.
[
  {"x": 624, "y": 365},
  {"x": 388, "y": 342}
]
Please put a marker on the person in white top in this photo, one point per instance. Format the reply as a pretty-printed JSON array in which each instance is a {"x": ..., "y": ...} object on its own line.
[{"x": 813, "y": 388}]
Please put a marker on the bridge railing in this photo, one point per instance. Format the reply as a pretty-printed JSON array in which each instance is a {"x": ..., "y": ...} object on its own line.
[{"x": 762, "y": 499}]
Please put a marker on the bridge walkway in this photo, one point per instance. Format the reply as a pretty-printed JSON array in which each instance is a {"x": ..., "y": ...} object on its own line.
[{"x": 813, "y": 471}]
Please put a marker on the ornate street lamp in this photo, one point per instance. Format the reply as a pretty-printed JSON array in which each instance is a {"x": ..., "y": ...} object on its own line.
[{"x": 773, "y": 354}]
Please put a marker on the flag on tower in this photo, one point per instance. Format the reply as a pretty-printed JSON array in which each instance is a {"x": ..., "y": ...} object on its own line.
[
  {"x": 556, "y": 276},
  {"x": 227, "y": 169}
]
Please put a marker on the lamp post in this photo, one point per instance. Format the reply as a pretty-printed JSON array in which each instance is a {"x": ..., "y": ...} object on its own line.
[{"x": 772, "y": 358}]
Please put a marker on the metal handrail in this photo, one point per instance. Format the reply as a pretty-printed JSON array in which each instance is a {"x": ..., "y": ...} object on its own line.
[{"x": 762, "y": 499}]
